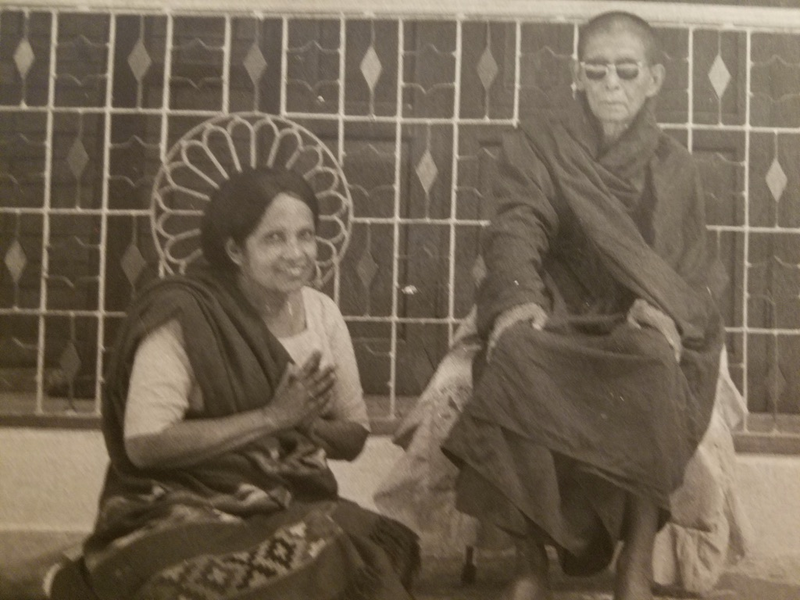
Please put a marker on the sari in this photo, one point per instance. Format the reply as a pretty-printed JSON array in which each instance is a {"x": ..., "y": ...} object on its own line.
[
  {"x": 261, "y": 521},
  {"x": 565, "y": 423}
]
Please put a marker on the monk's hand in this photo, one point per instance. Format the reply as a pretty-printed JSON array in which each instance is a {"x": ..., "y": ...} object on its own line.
[
  {"x": 644, "y": 314},
  {"x": 304, "y": 392},
  {"x": 530, "y": 312}
]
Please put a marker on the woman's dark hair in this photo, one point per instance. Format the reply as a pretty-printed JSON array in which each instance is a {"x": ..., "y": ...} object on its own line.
[
  {"x": 236, "y": 208},
  {"x": 607, "y": 21}
]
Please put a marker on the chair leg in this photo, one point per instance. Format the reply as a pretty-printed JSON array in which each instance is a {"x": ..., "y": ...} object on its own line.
[{"x": 469, "y": 570}]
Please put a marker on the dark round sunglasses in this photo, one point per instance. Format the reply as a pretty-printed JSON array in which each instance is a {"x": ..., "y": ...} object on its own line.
[{"x": 626, "y": 70}]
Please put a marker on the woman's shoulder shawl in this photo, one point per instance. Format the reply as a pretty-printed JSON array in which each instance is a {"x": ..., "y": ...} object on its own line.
[{"x": 237, "y": 361}]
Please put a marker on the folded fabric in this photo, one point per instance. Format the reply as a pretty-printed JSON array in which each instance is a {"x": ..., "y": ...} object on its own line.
[{"x": 707, "y": 530}]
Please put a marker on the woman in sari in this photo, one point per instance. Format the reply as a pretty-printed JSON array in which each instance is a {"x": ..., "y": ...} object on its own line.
[{"x": 229, "y": 389}]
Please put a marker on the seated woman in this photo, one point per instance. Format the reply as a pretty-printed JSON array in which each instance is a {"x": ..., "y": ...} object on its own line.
[
  {"x": 228, "y": 391},
  {"x": 603, "y": 335}
]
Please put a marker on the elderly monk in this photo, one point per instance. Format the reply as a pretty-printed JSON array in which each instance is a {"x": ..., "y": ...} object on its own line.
[{"x": 603, "y": 336}]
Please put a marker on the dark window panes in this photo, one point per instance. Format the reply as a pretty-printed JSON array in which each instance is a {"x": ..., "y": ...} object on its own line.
[
  {"x": 77, "y": 177},
  {"x": 775, "y": 80},
  {"x": 139, "y": 57},
  {"x": 20, "y": 260},
  {"x": 255, "y": 69},
  {"x": 488, "y": 66},
  {"x": 773, "y": 379},
  {"x": 545, "y": 78},
  {"x": 429, "y": 69},
  {"x": 366, "y": 271},
  {"x": 131, "y": 260},
  {"x": 23, "y": 148},
  {"x": 312, "y": 76},
  {"x": 25, "y": 58},
  {"x": 774, "y": 281},
  {"x": 370, "y": 85},
  {"x": 73, "y": 262},
  {"x": 774, "y": 197},
  {"x": 477, "y": 168},
  {"x": 720, "y": 156},
  {"x": 719, "y": 77},
  {"x": 82, "y": 59},
  {"x": 370, "y": 157},
  {"x": 134, "y": 160},
  {"x": 70, "y": 364},
  {"x": 196, "y": 75},
  {"x": 673, "y": 99},
  {"x": 424, "y": 272},
  {"x": 426, "y": 190}
]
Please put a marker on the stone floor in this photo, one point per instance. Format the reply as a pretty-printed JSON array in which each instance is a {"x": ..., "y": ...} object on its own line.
[
  {"x": 768, "y": 580},
  {"x": 23, "y": 556}
]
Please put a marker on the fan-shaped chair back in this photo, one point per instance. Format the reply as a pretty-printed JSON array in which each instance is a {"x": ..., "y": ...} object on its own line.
[{"x": 207, "y": 155}]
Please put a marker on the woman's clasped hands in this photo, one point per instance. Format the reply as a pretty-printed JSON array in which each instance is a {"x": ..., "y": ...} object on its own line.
[{"x": 304, "y": 393}]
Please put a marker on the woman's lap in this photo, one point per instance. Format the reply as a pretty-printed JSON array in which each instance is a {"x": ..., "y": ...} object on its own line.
[{"x": 323, "y": 550}]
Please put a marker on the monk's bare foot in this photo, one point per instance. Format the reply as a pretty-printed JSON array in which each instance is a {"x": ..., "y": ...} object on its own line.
[
  {"x": 531, "y": 577},
  {"x": 634, "y": 579},
  {"x": 527, "y": 588}
]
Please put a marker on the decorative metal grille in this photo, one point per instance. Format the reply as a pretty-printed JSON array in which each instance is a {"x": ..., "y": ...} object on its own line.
[{"x": 413, "y": 110}]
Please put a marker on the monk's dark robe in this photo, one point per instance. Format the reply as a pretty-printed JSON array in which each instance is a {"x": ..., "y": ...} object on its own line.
[{"x": 567, "y": 421}]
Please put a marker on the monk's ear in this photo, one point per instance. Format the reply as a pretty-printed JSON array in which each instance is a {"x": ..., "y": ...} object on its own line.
[
  {"x": 657, "y": 74},
  {"x": 580, "y": 85},
  {"x": 234, "y": 252}
]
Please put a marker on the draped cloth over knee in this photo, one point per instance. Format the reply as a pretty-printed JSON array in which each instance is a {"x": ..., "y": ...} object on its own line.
[
  {"x": 565, "y": 422},
  {"x": 261, "y": 521}
]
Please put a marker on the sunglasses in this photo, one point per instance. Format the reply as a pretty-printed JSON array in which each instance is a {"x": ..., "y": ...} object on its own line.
[{"x": 626, "y": 71}]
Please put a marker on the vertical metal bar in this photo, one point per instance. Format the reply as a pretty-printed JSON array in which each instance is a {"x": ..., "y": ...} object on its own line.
[
  {"x": 517, "y": 70},
  {"x": 48, "y": 179},
  {"x": 165, "y": 100},
  {"x": 101, "y": 287},
  {"x": 284, "y": 64},
  {"x": 259, "y": 25},
  {"x": 451, "y": 275},
  {"x": 398, "y": 148},
  {"x": 226, "y": 66},
  {"x": 690, "y": 92},
  {"x": 139, "y": 83},
  {"x": 746, "y": 233},
  {"x": 340, "y": 131}
]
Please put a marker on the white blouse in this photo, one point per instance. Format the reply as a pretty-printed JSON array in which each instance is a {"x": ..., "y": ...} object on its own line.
[{"x": 163, "y": 386}]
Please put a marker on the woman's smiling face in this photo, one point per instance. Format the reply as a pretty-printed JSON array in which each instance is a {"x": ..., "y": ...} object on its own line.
[{"x": 279, "y": 255}]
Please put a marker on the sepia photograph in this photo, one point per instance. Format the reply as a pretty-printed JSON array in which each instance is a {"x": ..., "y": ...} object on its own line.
[{"x": 422, "y": 300}]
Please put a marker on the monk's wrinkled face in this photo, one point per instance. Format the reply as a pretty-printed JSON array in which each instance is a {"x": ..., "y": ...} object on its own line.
[{"x": 616, "y": 76}]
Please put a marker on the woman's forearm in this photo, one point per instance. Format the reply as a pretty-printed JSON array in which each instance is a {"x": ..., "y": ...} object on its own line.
[
  {"x": 341, "y": 440},
  {"x": 192, "y": 441}
]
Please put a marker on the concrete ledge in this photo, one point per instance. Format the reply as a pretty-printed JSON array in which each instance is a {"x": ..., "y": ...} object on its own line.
[
  {"x": 770, "y": 493},
  {"x": 51, "y": 480}
]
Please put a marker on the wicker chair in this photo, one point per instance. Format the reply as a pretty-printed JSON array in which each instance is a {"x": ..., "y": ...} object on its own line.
[{"x": 206, "y": 155}]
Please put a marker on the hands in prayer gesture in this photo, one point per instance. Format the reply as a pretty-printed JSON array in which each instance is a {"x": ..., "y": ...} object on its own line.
[{"x": 304, "y": 392}]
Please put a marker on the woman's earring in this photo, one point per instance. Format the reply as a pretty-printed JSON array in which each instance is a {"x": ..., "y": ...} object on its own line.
[{"x": 317, "y": 283}]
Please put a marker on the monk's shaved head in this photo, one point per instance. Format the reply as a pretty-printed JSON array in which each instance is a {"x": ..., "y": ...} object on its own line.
[{"x": 610, "y": 22}]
